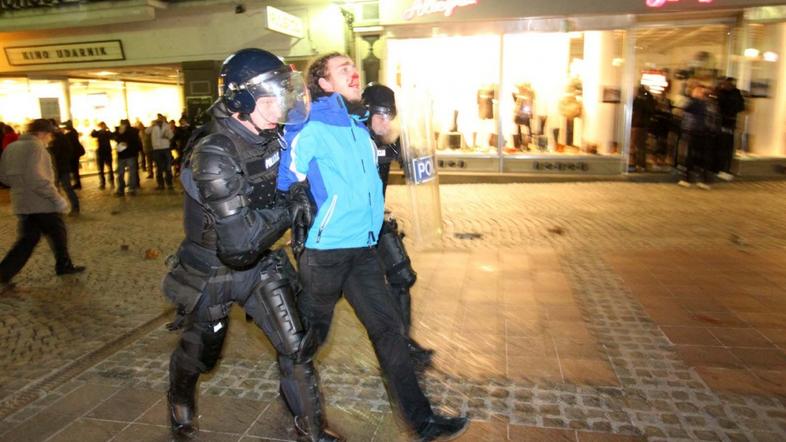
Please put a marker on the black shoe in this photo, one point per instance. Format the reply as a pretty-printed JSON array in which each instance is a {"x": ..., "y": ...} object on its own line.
[
  {"x": 324, "y": 436},
  {"x": 181, "y": 420},
  {"x": 304, "y": 433},
  {"x": 102, "y": 187},
  {"x": 439, "y": 427},
  {"x": 70, "y": 270}
]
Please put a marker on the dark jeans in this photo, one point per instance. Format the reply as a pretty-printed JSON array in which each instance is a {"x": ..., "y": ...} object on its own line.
[
  {"x": 133, "y": 174},
  {"x": 163, "y": 160},
  {"x": 638, "y": 137},
  {"x": 64, "y": 179},
  {"x": 725, "y": 152},
  {"x": 356, "y": 272},
  {"x": 104, "y": 159},
  {"x": 75, "y": 171},
  {"x": 29, "y": 232},
  {"x": 700, "y": 158}
]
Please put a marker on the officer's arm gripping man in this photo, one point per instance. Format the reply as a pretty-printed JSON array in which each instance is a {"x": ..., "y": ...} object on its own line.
[{"x": 242, "y": 233}]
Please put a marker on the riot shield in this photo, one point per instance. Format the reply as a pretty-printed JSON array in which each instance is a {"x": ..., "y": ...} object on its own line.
[{"x": 420, "y": 166}]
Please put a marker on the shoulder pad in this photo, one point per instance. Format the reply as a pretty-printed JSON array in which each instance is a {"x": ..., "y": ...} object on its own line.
[
  {"x": 215, "y": 142},
  {"x": 212, "y": 160}
]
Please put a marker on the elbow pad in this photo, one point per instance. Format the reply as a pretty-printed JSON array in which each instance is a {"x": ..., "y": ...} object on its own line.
[{"x": 242, "y": 238}]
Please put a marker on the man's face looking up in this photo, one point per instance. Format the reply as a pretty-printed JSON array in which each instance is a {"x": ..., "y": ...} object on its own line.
[{"x": 341, "y": 76}]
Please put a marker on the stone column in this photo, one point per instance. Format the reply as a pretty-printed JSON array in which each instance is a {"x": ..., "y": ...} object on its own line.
[{"x": 200, "y": 87}]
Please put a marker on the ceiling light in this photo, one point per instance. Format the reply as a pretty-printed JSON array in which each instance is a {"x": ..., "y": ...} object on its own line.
[
  {"x": 770, "y": 56},
  {"x": 105, "y": 73},
  {"x": 751, "y": 53}
]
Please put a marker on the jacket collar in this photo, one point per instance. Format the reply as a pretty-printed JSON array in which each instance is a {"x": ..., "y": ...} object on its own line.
[{"x": 333, "y": 109}]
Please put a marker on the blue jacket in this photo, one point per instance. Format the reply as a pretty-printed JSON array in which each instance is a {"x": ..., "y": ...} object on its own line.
[{"x": 334, "y": 150}]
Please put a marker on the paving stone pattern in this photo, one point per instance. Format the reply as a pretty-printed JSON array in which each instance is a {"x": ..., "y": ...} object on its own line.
[{"x": 656, "y": 396}]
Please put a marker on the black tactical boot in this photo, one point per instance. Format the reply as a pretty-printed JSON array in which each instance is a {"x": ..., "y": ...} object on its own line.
[
  {"x": 306, "y": 429},
  {"x": 181, "y": 401},
  {"x": 439, "y": 427}
]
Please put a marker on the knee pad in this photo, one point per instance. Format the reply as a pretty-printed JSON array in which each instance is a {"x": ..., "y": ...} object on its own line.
[
  {"x": 280, "y": 319},
  {"x": 200, "y": 348}
]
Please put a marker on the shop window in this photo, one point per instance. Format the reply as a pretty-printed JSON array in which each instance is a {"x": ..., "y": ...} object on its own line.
[
  {"x": 670, "y": 61},
  {"x": 561, "y": 93},
  {"x": 758, "y": 63},
  {"x": 459, "y": 77}
]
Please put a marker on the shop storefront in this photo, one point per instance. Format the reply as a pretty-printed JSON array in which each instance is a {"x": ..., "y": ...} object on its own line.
[
  {"x": 86, "y": 102},
  {"x": 94, "y": 60},
  {"x": 548, "y": 87}
]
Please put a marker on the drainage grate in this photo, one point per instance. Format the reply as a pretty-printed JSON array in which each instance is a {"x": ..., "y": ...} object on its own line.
[{"x": 468, "y": 235}]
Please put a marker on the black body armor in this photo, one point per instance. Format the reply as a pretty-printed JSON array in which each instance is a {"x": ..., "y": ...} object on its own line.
[{"x": 232, "y": 218}]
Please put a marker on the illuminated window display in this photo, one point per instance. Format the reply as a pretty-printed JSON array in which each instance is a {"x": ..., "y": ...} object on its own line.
[
  {"x": 518, "y": 95},
  {"x": 463, "y": 90},
  {"x": 91, "y": 101},
  {"x": 759, "y": 64}
]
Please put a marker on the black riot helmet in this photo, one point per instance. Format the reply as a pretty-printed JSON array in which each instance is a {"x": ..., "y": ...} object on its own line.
[
  {"x": 251, "y": 74},
  {"x": 380, "y": 99}
]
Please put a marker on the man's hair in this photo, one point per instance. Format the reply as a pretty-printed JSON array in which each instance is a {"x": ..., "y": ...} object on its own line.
[
  {"x": 316, "y": 70},
  {"x": 40, "y": 125}
]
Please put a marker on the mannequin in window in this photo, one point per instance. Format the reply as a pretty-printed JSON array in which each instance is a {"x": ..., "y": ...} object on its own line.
[
  {"x": 571, "y": 108},
  {"x": 524, "y": 99},
  {"x": 486, "y": 136}
]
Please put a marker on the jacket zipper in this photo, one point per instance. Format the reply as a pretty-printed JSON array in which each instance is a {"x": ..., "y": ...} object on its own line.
[
  {"x": 328, "y": 215},
  {"x": 371, "y": 236}
]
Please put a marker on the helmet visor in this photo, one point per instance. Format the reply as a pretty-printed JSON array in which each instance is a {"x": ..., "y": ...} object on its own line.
[
  {"x": 281, "y": 96},
  {"x": 384, "y": 111}
]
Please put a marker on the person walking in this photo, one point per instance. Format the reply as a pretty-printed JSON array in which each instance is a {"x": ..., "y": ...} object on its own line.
[
  {"x": 232, "y": 219},
  {"x": 104, "y": 154},
  {"x": 62, "y": 153},
  {"x": 128, "y": 147},
  {"x": 381, "y": 104},
  {"x": 27, "y": 168},
  {"x": 698, "y": 132},
  {"x": 334, "y": 153},
  {"x": 160, "y": 136}
]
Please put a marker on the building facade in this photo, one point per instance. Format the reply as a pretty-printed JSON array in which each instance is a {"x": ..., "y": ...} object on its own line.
[
  {"x": 548, "y": 86},
  {"x": 92, "y": 61}
]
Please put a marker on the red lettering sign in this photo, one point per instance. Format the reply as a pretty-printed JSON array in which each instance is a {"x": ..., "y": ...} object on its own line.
[
  {"x": 420, "y": 8},
  {"x": 662, "y": 3}
]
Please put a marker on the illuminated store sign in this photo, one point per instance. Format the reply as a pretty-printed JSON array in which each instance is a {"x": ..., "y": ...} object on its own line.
[
  {"x": 419, "y": 8},
  {"x": 7, "y": 5},
  {"x": 662, "y": 3},
  {"x": 285, "y": 23},
  {"x": 110, "y": 50}
]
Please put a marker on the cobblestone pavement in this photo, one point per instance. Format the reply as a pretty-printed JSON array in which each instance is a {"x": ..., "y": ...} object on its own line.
[{"x": 99, "y": 334}]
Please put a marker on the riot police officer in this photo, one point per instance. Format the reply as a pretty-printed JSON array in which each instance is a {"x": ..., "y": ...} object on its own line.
[
  {"x": 380, "y": 102},
  {"x": 232, "y": 217}
]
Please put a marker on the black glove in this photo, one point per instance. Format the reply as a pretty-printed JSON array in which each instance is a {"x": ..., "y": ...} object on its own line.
[{"x": 301, "y": 213}]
